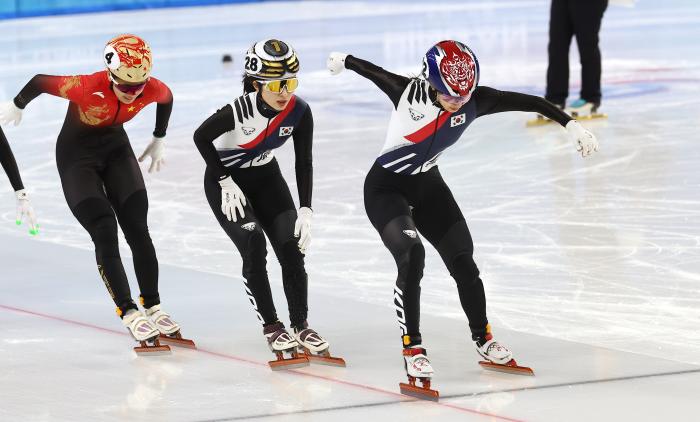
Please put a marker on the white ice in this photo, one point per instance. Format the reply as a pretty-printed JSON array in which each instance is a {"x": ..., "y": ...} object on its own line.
[{"x": 591, "y": 267}]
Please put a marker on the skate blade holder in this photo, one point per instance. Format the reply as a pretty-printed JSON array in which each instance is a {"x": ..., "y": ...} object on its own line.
[
  {"x": 510, "y": 367},
  {"x": 176, "y": 339},
  {"x": 283, "y": 363},
  {"x": 154, "y": 349},
  {"x": 422, "y": 392},
  {"x": 324, "y": 358}
]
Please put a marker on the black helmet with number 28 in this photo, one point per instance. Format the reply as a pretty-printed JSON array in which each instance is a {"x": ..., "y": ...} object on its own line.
[{"x": 271, "y": 59}]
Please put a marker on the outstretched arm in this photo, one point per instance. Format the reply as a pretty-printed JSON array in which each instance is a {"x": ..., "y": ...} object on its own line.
[
  {"x": 490, "y": 101},
  {"x": 392, "y": 84},
  {"x": 69, "y": 87},
  {"x": 216, "y": 125}
]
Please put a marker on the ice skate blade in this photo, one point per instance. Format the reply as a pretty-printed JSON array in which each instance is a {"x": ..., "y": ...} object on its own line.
[
  {"x": 152, "y": 350},
  {"x": 326, "y": 360},
  {"x": 544, "y": 121},
  {"x": 291, "y": 363},
  {"x": 594, "y": 116},
  {"x": 177, "y": 341},
  {"x": 509, "y": 368},
  {"x": 419, "y": 392},
  {"x": 540, "y": 121}
]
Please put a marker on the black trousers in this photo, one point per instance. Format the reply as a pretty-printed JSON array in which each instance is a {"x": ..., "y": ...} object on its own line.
[
  {"x": 270, "y": 210},
  {"x": 580, "y": 18},
  {"x": 400, "y": 208},
  {"x": 103, "y": 186}
]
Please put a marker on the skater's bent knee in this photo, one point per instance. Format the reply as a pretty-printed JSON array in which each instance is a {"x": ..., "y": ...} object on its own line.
[
  {"x": 411, "y": 264},
  {"x": 464, "y": 269}
]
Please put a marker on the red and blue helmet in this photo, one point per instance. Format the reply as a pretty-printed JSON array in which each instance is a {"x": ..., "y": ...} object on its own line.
[{"x": 451, "y": 68}]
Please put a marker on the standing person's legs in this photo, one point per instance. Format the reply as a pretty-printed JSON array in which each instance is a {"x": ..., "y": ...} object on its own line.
[
  {"x": 587, "y": 19},
  {"x": 248, "y": 236},
  {"x": 390, "y": 214},
  {"x": 560, "y": 32},
  {"x": 440, "y": 220},
  {"x": 84, "y": 191},
  {"x": 126, "y": 192}
]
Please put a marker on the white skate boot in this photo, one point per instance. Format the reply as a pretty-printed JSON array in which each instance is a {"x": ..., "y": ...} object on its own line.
[
  {"x": 281, "y": 342},
  {"x": 169, "y": 329},
  {"x": 143, "y": 331},
  {"x": 498, "y": 357},
  {"x": 315, "y": 347},
  {"x": 418, "y": 367}
]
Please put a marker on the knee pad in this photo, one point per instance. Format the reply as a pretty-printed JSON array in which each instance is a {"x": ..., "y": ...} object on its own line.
[
  {"x": 133, "y": 218},
  {"x": 410, "y": 265},
  {"x": 292, "y": 260},
  {"x": 463, "y": 269},
  {"x": 103, "y": 231},
  {"x": 254, "y": 256}
]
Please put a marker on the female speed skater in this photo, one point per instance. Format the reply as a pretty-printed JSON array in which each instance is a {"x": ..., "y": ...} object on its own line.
[
  {"x": 250, "y": 198},
  {"x": 101, "y": 179},
  {"x": 24, "y": 206},
  {"x": 405, "y": 194}
]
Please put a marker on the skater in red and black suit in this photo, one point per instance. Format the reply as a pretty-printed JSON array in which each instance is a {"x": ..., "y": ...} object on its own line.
[
  {"x": 24, "y": 206},
  {"x": 405, "y": 194},
  {"x": 101, "y": 179}
]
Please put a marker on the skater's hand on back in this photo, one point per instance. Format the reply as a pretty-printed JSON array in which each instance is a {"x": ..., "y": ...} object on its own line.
[
  {"x": 24, "y": 208},
  {"x": 232, "y": 199},
  {"x": 302, "y": 228},
  {"x": 10, "y": 113},
  {"x": 155, "y": 150},
  {"x": 584, "y": 141},
  {"x": 336, "y": 62}
]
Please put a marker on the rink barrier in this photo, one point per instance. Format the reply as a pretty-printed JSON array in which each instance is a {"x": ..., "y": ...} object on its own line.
[{"x": 12, "y": 9}]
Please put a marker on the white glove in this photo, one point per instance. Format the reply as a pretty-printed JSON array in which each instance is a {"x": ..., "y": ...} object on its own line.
[
  {"x": 9, "y": 112},
  {"x": 584, "y": 140},
  {"x": 155, "y": 150},
  {"x": 302, "y": 228},
  {"x": 336, "y": 62},
  {"x": 232, "y": 199},
  {"x": 24, "y": 207}
]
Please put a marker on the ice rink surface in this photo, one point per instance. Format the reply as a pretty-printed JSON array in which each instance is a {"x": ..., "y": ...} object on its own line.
[{"x": 591, "y": 267}]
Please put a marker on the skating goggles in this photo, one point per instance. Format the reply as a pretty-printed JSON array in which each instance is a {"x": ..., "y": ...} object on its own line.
[
  {"x": 131, "y": 89},
  {"x": 276, "y": 86},
  {"x": 454, "y": 100}
]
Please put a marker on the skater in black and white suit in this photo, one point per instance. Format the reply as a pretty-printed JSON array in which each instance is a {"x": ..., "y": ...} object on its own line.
[
  {"x": 249, "y": 196},
  {"x": 405, "y": 194}
]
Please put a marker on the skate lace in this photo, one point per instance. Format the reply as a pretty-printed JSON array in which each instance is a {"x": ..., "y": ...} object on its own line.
[
  {"x": 495, "y": 346},
  {"x": 421, "y": 361},
  {"x": 310, "y": 336},
  {"x": 283, "y": 337}
]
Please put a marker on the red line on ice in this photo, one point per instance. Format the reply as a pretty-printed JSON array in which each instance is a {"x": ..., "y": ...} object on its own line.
[{"x": 256, "y": 363}]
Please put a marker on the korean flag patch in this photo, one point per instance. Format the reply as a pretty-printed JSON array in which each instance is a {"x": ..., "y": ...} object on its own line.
[
  {"x": 458, "y": 120},
  {"x": 286, "y": 130}
]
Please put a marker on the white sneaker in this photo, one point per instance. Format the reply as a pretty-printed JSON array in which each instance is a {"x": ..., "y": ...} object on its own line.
[
  {"x": 162, "y": 320},
  {"x": 416, "y": 362},
  {"x": 139, "y": 326}
]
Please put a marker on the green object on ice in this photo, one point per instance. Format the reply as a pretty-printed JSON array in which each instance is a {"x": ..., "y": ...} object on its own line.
[
  {"x": 34, "y": 232},
  {"x": 18, "y": 222}
]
